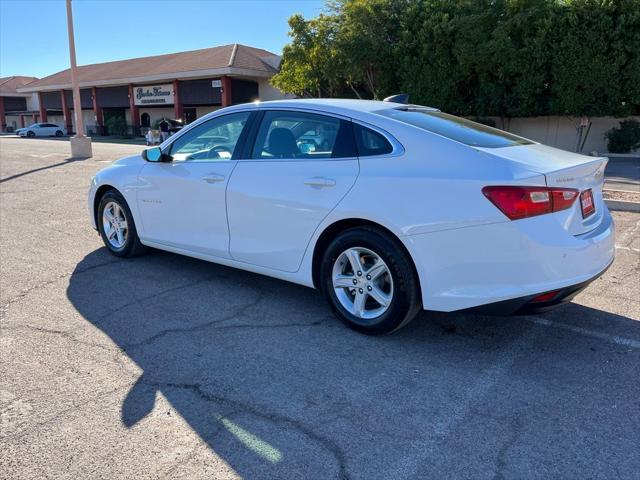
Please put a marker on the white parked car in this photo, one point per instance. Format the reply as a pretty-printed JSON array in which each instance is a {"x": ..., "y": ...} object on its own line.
[
  {"x": 41, "y": 130},
  {"x": 400, "y": 208}
]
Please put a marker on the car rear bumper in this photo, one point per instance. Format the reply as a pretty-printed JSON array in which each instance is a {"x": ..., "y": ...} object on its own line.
[
  {"x": 530, "y": 305},
  {"x": 508, "y": 261}
]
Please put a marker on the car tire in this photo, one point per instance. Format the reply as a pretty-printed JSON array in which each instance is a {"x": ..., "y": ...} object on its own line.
[
  {"x": 31, "y": 134},
  {"x": 344, "y": 287},
  {"x": 59, "y": 133},
  {"x": 117, "y": 227}
]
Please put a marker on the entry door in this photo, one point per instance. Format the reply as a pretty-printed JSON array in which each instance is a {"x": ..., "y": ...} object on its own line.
[
  {"x": 302, "y": 165},
  {"x": 189, "y": 115},
  {"x": 182, "y": 202}
]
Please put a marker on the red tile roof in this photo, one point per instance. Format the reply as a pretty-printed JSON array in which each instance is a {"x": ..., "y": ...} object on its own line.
[{"x": 232, "y": 57}]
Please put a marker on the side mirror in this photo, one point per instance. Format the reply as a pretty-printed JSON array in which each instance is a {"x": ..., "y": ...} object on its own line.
[{"x": 154, "y": 154}]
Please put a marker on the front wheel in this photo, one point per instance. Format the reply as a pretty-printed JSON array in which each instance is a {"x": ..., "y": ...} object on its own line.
[
  {"x": 116, "y": 226},
  {"x": 31, "y": 134},
  {"x": 58, "y": 133},
  {"x": 370, "y": 281}
]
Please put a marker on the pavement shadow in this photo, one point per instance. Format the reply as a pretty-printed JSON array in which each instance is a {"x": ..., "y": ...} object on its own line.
[
  {"x": 278, "y": 388},
  {"x": 66, "y": 161}
]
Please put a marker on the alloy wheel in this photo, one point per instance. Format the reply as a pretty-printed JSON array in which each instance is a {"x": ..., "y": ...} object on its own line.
[
  {"x": 362, "y": 283},
  {"x": 114, "y": 224}
]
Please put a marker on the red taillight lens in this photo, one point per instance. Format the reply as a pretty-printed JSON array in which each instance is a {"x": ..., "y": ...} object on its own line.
[
  {"x": 522, "y": 202},
  {"x": 545, "y": 297}
]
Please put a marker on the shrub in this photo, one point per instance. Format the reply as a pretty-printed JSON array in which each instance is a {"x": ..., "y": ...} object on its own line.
[
  {"x": 624, "y": 138},
  {"x": 502, "y": 58},
  {"x": 117, "y": 126}
]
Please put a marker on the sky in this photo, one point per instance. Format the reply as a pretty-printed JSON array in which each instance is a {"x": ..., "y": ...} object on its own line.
[{"x": 33, "y": 34}]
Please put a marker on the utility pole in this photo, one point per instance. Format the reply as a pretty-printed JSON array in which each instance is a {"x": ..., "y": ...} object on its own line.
[{"x": 80, "y": 144}]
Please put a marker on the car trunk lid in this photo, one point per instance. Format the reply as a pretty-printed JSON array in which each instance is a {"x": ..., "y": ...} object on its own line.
[{"x": 564, "y": 170}]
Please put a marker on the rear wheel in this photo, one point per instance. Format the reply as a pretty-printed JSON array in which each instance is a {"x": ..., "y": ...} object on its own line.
[
  {"x": 370, "y": 281},
  {"x": 58, "y": 133},
  {"x": 116, "y": 226}
]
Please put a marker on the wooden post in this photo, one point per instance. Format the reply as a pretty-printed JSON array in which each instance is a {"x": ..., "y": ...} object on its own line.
[
  {"x": 3, "y": 118},
  {"x": 178, "y": 110},
  {"x": 226, "y": 91},
  {"x": 135, "y": 111},
  {"x": 43, "y": 110}
]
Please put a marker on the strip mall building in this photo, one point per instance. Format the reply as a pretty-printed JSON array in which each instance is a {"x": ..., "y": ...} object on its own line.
[{"x": 179, "y": 86}]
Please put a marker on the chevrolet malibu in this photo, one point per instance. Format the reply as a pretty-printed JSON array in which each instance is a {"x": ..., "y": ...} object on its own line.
[{"x": 386, "y": 208}]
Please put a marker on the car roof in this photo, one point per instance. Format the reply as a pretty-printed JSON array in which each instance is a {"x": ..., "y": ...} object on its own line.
[
  {"x": 340, "y": 106},
  {"x": 353, "y": 108}
]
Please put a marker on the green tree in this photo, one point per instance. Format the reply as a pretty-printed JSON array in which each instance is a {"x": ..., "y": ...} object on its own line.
[
  {"x": 473, "y": 57},
  {"x": 367, "y": 39},
  {"x": 589, "y": 50},
  {"x": 308, "y": 63}
]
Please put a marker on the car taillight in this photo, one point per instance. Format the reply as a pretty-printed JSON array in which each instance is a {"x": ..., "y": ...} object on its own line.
[{"x": 522, "y": 202}]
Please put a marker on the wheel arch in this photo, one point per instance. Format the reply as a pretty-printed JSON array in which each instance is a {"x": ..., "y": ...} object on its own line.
[
  {"x": 102, "y": 189},
  {"x": 334, "y": 229}
]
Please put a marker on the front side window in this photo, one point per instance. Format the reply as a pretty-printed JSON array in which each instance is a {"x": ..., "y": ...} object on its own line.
[
  {"x": 456, "y": 128},
  {"x": 285, "y": 134},
  {"x": 216, "y": 139}
]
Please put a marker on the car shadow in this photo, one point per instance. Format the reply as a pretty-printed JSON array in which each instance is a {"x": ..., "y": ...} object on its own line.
[{"x": 278, "y": 388}]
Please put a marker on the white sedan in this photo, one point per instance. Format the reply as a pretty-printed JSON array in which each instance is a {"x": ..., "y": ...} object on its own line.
[
  {"x": 396, "y": 208},
  {"x": 41, "y": 130}
]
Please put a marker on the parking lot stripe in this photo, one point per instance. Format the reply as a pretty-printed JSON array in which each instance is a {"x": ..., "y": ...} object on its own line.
[{"x": 627, "y": 342}]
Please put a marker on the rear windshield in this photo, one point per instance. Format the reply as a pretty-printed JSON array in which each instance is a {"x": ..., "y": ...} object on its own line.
[{"x": 455, "y": 128}]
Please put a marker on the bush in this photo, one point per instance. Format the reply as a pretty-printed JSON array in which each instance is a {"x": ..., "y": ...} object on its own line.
[
  {"x": 624, "y": 138},
  {"x": 490, "y": 122},
  {"x": 501, "y": 58},
  {"x": 117, "y": 126}
]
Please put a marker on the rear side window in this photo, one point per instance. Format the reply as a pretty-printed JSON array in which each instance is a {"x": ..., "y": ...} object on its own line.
[
  {"x": 292, "y": 135},
  {"x": 370, "y": 142},
  {"x": 456, "y": 128}
]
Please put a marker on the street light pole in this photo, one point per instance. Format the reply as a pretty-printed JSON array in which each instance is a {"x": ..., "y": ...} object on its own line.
[{"x": 80, "y": 144}]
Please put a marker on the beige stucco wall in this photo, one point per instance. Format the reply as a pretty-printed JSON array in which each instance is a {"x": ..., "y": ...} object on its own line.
[
  {"x": 266, "y": 91},
  {"x": 561, "y": 132},
  {"x": 14, "y": 121},
  {"x": 154, "y": 113},
  {"x": 201, "y": 111}
]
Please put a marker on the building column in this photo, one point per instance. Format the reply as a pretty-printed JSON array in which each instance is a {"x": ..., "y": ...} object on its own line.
[
  {"x": 97, "y": 112},
  {"x": 226, "y": 91},
  {"x": 135, "y": 111},
  {"x": 21, "y": 121},
  {"x": 178, "y": 108},
  {"x": 3, "y": 118},
  {"x": 66, "y": 112},
  {"x": 43, "y": 110},
  {"x": 35, "y": 117}
]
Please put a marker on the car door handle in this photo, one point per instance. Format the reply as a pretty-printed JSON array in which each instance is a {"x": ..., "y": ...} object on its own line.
[
  {"x": 213, "y": 178},
  {"x": 320, "y": 182}
]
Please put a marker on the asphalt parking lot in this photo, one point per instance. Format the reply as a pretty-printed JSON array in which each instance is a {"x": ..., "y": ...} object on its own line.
[{"x": 169, "y": 367}]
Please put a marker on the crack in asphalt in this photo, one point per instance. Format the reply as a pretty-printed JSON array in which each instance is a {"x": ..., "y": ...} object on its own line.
[
  {"x": 242, "y": 407},
  {"x": 193, "y": 328},
  {"x": 51, "y": 281},
  {"x": 151, "y": 297},
  {"x": 62, "y": 333},
  {"x": 516, "y": 428},
  {"x": 36, "y": 426}
]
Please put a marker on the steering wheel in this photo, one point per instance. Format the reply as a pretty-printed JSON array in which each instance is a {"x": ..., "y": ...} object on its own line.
[{"x": 220, "y": 148}]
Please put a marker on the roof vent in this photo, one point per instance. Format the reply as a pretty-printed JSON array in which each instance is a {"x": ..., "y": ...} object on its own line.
[{"x": 399, "y": 98}]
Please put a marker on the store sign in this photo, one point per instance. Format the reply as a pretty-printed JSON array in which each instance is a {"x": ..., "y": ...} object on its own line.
[
  {"x": 154, "y": 95},
  {"x": 216, "y": 83}
]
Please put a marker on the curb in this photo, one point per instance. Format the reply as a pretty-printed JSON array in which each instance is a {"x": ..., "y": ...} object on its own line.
[{"x": 623, "y": 206}]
